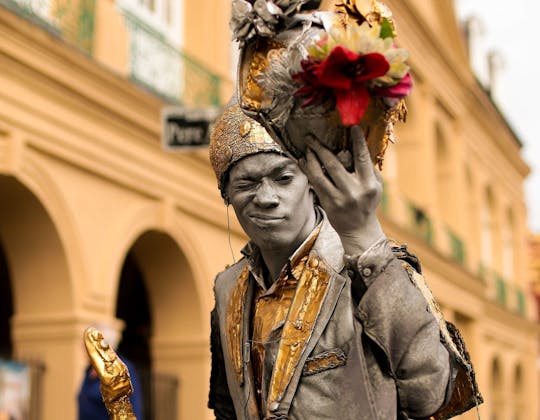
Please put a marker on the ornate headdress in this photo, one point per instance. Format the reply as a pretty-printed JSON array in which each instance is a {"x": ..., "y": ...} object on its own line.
[
  {"x": 318, "y": 67},
  {"x": 235, "y": 136}
]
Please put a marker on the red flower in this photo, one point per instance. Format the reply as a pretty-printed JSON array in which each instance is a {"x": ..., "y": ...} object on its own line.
[
  {"x": 400, "y": 90},
  {"x": 312, "y": 90},
  {"x": 342, "y": 74}
]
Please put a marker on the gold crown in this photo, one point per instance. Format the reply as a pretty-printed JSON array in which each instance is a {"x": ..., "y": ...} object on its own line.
[{"x": 235, "y": 136}]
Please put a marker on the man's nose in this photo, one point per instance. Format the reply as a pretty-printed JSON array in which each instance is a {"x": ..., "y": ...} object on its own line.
[{"x": 266, "y": 196}]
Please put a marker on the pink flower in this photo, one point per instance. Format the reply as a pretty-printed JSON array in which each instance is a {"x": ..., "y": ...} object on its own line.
[{"x": 400, "y": 90}]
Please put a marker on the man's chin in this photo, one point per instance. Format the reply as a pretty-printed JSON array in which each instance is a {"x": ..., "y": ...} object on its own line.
[{"x": 270, "y": 237}]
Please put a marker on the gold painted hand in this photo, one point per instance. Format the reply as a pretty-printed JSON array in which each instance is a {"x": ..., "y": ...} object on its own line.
[{"x": 113, "y": 374}]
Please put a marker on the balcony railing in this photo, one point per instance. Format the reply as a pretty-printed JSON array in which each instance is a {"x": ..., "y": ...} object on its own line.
[
  {"x": 72, "y": 20},
  {"x": 155, "y": 63},
  {"x": 159, "y": 66},
  {"x": 457, "y": 247},
  {"x": 500, "y": 290},
  {"x": 421, "y": 223}
]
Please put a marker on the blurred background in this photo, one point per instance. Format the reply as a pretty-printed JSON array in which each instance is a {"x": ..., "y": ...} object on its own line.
[{"x": 109, "y": 215}]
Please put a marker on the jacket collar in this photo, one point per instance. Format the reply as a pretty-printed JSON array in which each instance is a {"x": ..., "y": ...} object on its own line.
[{"x": 327, "y": 245}]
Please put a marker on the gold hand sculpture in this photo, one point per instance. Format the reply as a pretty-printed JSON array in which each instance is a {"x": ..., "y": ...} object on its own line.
[{"x": 113, "y": 374}]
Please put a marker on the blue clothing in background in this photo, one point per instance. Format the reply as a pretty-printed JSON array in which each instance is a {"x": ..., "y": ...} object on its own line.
[{"x": 91, "y": 405}]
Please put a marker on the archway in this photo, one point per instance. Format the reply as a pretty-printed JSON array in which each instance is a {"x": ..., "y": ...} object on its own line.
[
  {"x": 496, "y": 389},
  {"x": 519, "y": 403},
  {"x": 35, "y": 252},
  {"x": 41, "y": 291},
  {"x": 158, "y": 300},
  {"x": 133, "y": 308},
  {"x": 6, "y": 307}
]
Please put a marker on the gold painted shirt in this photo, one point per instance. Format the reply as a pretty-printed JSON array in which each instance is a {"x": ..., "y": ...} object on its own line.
[{"x": 271, "y": 305}]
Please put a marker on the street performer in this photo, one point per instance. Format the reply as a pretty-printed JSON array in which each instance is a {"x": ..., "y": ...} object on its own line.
[{"x": 323, "y": 317}]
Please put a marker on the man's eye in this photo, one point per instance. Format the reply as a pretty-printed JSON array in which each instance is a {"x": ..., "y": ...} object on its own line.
[
  {"x": 284, "y": 179},
  {"x": 244, "y": 186}
]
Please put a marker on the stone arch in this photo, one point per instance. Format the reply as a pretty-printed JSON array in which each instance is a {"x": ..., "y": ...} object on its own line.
[
  {"x": 38, "y": 261},
  {"x": 43, "y": 327},
  {"x": 148, "y": 219},
  {"x": 178, "y": 341},
  {"x": 6, "y": 306},
  {"x": 170, "y": 284}
]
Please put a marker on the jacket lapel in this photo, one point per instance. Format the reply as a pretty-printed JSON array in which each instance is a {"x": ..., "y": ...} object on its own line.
[
  {"x": 313, "y": 304},
  {"x": 237, "y": 333},
  {"x": 236, "y": 329}
]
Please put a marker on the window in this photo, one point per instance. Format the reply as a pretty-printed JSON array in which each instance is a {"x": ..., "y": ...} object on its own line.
[
  {"x": 508, "y": 246},
  {"x": 519, "y": 400},
  {"x": 486, "y": 226},
  {"x": 39, "y": 8},
  {"x": 444, "y": 175},
  {"x": 155, "y": 38},
  {"x": 497, "y": 396},
  {"x": 162, "y": 16}
]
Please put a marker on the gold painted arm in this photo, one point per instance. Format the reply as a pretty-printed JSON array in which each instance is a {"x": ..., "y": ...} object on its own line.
[{"x": 113, "y": 374}]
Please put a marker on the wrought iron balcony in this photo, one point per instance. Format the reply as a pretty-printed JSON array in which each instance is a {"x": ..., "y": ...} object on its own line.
[
  {"x": 164, "y": 69},
  {"x": 154, "y": 62}
]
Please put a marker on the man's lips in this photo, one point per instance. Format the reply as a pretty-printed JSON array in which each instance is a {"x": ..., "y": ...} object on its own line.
[{"x": 266, "y": 219}]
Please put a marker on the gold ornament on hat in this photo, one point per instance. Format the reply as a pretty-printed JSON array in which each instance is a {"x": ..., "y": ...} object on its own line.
[{"x": 235, "y": 136}]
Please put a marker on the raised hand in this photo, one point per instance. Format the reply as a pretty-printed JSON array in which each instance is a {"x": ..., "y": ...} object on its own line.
[
  {"x": 113, "y": 375},
  {"x": 350, "y": 199}
]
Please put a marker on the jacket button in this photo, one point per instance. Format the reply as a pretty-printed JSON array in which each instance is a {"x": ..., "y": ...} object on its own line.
[
  {"x": 274, "y": 405},
  {"x": 314, "y": 263},
  {"x": 366, "y": 271}
]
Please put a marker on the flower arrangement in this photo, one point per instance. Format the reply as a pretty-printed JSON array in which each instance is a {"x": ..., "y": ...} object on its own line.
[
  {"x": 320, "y": 66},
  {"x": 352, "y": 64}
]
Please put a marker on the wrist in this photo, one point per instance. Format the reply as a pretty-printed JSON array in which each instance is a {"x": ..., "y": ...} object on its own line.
[
  {"x": 367, "y": 265},
  {"x": 357, "y": 241},
  {"x": 120, "y": 409}
]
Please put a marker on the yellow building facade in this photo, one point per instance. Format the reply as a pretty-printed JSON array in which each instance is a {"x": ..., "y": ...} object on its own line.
[{"x": 99, "y": 224}]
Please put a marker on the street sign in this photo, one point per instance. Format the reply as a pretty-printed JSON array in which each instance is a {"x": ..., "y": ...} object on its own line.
[{"x": 186, "y": 128}]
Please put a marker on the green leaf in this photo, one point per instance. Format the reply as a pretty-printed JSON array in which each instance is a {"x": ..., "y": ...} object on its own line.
[{"x": 387, "y": 29}]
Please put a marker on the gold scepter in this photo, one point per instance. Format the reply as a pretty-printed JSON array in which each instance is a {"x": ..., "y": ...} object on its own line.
[{"x": 115, "y": 383}]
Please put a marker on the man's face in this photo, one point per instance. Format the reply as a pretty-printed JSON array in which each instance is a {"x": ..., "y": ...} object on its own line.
[{"x": 272, "y": 200}]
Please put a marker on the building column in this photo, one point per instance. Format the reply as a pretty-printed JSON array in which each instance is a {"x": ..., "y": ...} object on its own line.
[{"x": 187, "y": 359}]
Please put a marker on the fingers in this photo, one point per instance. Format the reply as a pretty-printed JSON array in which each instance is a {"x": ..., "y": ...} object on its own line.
[
  {"x": 98, "y": 349},
  {"x": 315, "y": 174},
  {"x": 362, "y": 159},
  {"x": 335, "y": 170}
]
